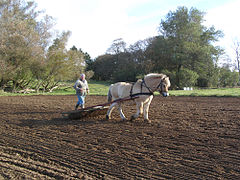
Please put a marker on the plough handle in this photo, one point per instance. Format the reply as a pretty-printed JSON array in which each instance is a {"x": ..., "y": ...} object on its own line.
[
  {"x": 122, "y": 99},
  {"x": 108, "y": 103}
]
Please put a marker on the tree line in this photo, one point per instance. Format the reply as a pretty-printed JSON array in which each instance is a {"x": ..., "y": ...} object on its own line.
[
  {"x": 184, "y": 50},
  {"x": 33, "y": 55}
]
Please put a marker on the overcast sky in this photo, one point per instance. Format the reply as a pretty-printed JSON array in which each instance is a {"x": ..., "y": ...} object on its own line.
[{"x": 96, "y": 23}]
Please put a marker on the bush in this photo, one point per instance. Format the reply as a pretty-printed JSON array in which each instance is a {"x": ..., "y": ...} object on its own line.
[
  {"x": 228, "y": 78},
  {"x": 187, "y": 78},
  {"x": 202, "y": 82}
]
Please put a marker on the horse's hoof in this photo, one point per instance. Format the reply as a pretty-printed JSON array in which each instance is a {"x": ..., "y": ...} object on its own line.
[
  {"x": 132, "y": 118},
  {"x": 147, "y": 121},
  {"x": 124, "y": 119},
  {"x": 107, "y": 117}
]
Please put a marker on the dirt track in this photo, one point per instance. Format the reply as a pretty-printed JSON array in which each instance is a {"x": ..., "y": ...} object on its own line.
[{"x": 189, "y": 138}]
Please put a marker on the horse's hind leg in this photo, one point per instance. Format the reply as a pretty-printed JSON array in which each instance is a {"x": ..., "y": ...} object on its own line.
[
  {"x": 110, "y": 109},
  {"x": 121, "y": 112}
]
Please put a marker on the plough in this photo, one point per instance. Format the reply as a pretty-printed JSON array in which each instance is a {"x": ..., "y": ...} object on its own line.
[{"x": 96, "y": 110}]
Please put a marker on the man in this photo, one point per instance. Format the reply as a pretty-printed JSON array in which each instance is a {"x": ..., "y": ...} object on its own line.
[{"x": 81, "y": 87}]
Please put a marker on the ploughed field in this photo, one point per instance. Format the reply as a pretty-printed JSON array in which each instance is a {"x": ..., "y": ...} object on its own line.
[{"x": 189, "y": 138}]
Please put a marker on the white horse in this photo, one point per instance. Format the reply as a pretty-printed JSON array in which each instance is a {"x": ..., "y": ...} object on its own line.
[{"x": 143, "y": 88}]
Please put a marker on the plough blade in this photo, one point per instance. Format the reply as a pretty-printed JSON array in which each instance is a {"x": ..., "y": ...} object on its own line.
[
  {"x": 92, "y": 111},
  {"x": 78, "y": 114}
]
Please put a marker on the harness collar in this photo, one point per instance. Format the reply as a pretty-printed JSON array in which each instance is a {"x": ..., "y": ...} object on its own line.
[
  {"x": 141, "y": 93},
  {"x": 143, "y": 83}
]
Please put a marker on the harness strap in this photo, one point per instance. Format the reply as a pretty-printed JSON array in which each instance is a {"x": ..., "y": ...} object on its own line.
[
  {"x": 141, "y": 93},
  {"x": 137, "y": 94},
  {"x": 160, "y": 83},
  {"x": 143, "y": 82},
  {"x": 131, "y": 95}
]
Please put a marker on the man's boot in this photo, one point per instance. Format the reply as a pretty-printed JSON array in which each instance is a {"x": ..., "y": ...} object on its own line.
[
  {"x": 82, "y": 106},
  {"x": 76, "y": 107}
]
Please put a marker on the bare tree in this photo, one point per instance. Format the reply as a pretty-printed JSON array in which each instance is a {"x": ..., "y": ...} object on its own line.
[
  {"x": 236, "y": 48},
  {"x": 118, "y": 46}
]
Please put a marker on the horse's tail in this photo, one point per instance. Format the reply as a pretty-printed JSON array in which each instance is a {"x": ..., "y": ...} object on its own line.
[{"x": 109, "y": 94}]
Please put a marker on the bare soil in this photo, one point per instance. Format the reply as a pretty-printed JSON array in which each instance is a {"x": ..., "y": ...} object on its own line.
[{"x": 189, "y": 138}]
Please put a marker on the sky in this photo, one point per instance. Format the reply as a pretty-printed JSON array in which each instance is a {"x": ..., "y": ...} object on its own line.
[{"x": 95, "y": 24}]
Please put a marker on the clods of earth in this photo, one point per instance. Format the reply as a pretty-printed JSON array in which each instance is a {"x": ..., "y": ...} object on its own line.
[{"x": 189, "y": 138}]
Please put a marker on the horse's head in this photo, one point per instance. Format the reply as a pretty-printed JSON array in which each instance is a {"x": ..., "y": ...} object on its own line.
[
  {"x": 157, "y": 82},
  {"x": 163, "y": 86}
]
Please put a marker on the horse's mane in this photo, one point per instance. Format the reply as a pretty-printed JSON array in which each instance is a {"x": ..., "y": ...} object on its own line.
[
  {"x": 158, "y": 76},
  {"x": 155, "y": 75}
]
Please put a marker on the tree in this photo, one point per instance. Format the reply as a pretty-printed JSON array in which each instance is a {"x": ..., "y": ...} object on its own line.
[
  {"x": 188, "y": 78},
  {"x": 57, "y": 62},
  {"x": 227, "y": 77},
  {"x": 159, "y": 55},
  {"x": 138, "y": 55},
  {"x": 103, "y": 67},
  {"x": 237, "y": 53},
  {"x": 126, "y": 68},
  {"x": 23, "y": 40},
  {"x": 117, "y": 46},
  {"x": 30, "y": 56},
  {"x": 185, "y": 43},
  {"x": 76, "y": 60}
]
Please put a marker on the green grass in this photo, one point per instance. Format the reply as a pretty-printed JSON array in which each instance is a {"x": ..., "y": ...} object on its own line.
[
  {"x": 220, "y": 92},
  {"x": 101, "y": 88},
  {"x": 96, "y": 88}
]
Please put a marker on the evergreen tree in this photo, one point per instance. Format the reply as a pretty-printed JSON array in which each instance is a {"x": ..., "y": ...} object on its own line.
[{"x": 185, "y": 43}]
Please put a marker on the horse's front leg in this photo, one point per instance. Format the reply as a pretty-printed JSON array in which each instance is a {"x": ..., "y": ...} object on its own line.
[
  {"x": 139, "y": 107},
  {"x": 146, "y": 109}
]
